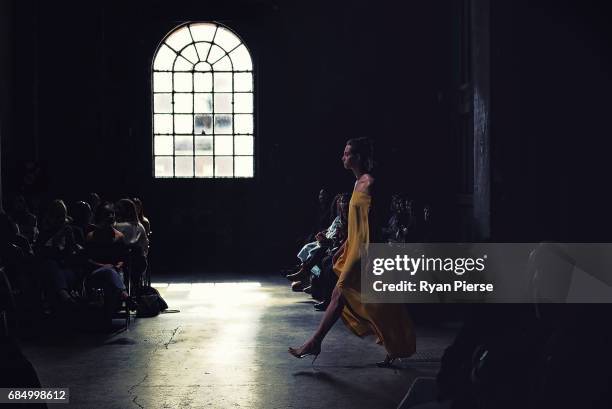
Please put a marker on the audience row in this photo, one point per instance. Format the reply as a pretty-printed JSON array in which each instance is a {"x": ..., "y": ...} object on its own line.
[
  {"x": 56, "y": 265},
  {"x": 407, "y": 222}
]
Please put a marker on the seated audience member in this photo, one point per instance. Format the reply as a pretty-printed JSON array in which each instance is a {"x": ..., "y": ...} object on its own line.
[
  {"x": 390, "y": 231},
  {"x": 56, "y": 233},
  {"x": 510, "y": 347},
  {"x": 55, "y": 250},
  {"x": 327, "y": 243},
  {"x": 107, "y": 252},
  {"x": 10, "y": 234},
  {"x": 311, "y": 253},
  {"x": 81, "y": 215},
  {"x": 403, "y": 225},
  {"x": 323, "y": 285},
  {"x": 322, "y": 220},
  {"x": 410, "y": 223},
  {"x": 324, "y": 278},
  {"x": 27, "y": 222},
  {"x": 127, "y": 223},
  {"x": 135, "y": 237},
  {"x": 15, "y": 254},
  {"x": 93, "y": 200},
  {"x": 323, "y": 216},
  {"x": 141, "y": 217}
]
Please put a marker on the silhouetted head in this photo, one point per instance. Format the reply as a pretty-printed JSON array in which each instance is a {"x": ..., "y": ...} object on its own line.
[
  {"x": 94, "y": 201},
  {"x": 105, "y": 215},
  {"x": 343, "y": 205},
  {"x": 396, "y": 203},
  {"x": 56, "y": 214},
  {"x": 426, "y": 213},
  {"x": 139, "y": 208},
  {"x": 81, "y": 213},
  {"x": 126, "y": 211},
  {"x": 359, "y": 155},
  {"x": 19, "y": 204},
  {"x": 8, "y": 228},
  {"x": 409, "y": 206},
  {"x": 324, "y": 197}
]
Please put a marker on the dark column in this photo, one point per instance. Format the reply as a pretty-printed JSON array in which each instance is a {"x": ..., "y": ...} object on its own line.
[
  {"x": 6, "y": 76},
  {"x": 480, "y": 13}
]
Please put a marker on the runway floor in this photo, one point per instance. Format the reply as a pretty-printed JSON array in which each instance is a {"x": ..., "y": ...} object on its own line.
[{"x": 227, "y": 348}]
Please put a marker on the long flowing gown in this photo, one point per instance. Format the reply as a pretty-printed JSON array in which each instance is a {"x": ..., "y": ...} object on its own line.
[{"x": 389, "y": 322}]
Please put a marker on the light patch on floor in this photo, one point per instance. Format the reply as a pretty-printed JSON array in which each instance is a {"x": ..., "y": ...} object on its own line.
[{"x": 226, "y": 348}]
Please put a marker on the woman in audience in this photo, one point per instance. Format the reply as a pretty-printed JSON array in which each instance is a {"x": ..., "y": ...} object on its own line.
[
  {"x": 10, "y": 234},
  {"x": 107, "y": 252},
  {"x": 55, "y": 250},
  {"x": 389, "y": 322},
  {"x": 15, "y": 254},
  {"x": 27, "y": 222},
  {"x": 328, "y": 240},
  {"x": 323, "y": 216},
  {"x": 390, "y": 232},
  {"x": 128, "y": 224},
  {"x": 81, "y": 215},
  {"x": 324, "y": 279},
  {"x": 141, "y": 217},
  {"x": 135, "y": 237},
  {"x": 312, "y": 253},
  {"x": 93, "y": 200},
  {"x": 410, "y": 231}
]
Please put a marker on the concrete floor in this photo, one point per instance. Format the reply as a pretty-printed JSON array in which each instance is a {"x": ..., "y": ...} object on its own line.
[{"x": 227, "y": 348}]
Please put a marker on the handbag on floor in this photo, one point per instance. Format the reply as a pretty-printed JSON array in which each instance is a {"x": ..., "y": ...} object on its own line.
[{"x": 150, "y": 302}]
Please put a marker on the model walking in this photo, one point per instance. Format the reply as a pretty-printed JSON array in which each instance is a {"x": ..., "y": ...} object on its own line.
[{"x": 390, "y": 323}]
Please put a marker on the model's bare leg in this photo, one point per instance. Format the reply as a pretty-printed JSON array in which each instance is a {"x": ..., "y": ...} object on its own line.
[{"x": 332, "y": 313}]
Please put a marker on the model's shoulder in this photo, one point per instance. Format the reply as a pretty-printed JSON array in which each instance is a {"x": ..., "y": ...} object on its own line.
[
  {"x": 365, "y": 184},
  {"x": 368, "y": 179}
]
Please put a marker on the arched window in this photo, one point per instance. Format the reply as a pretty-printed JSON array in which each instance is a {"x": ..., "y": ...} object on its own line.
[{"x": 203, "y": 120}]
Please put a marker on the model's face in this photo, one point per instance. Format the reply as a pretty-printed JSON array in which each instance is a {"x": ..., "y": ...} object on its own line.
[{"x": 349, "y": 159}]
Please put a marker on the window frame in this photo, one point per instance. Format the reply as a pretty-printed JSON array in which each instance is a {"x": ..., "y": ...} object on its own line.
[{"x": 233, "y": 71}]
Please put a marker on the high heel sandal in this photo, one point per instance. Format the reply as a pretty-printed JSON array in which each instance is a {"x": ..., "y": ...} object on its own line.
[
  {"x": 387, "y": 363},
  {"x": 315, "y": 350}
]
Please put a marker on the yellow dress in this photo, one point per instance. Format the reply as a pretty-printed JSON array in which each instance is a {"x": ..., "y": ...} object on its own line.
[{"x": 389, "y": 322}]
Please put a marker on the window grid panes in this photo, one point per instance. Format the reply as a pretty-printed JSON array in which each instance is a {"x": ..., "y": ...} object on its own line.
[{"x": 203, "y": 117}]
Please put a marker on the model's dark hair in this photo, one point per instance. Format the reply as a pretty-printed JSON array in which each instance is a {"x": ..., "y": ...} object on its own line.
[{"x": 364, "y": 147}]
